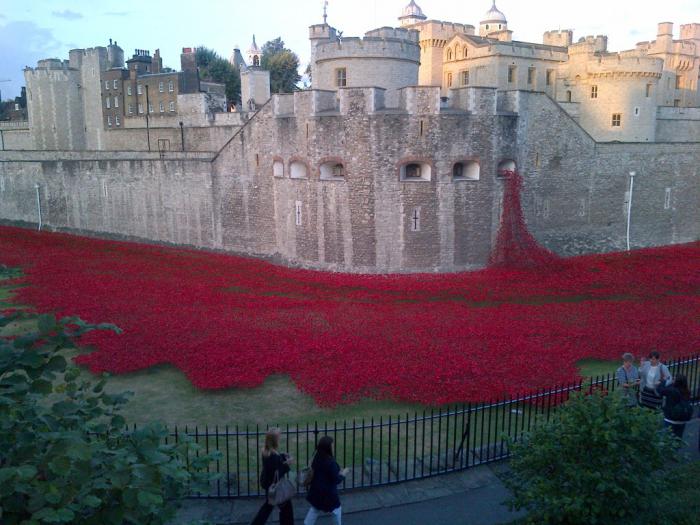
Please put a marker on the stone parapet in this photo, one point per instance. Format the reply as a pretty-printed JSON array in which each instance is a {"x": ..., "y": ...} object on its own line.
[
  {"x": 476, "y": 100},
  {"x": 420, "y": 100}
]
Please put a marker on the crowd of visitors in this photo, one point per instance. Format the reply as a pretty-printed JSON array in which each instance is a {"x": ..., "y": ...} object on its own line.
[{"x": 652, "y": 386}]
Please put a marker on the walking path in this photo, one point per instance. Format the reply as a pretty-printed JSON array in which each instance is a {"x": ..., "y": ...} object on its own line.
[{"x": 474, "y": 497}]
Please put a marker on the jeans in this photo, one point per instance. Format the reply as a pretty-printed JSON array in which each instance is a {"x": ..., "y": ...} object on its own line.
[
  {"x": 314, "y": 513},
  {"x": 286, "y": 513}
]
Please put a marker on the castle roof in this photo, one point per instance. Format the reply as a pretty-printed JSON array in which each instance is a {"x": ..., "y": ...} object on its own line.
[
  {"x": 412, "y": 10},
  {"x": 494, "y": 15},
  {"x": 254, "y": 49}
]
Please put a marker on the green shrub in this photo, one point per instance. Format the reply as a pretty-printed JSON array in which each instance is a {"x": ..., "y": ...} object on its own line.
[
  {"x": 595, "y": 461},
  {"x": 65, "y": 456}
]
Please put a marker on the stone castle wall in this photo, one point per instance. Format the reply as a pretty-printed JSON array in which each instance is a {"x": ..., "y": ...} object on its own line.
[
  {"x": 111, "y": 194},
  {"x": 265, "y": 192}
]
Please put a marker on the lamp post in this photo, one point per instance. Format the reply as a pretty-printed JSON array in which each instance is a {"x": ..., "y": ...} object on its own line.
[
  {"x": 629, "y": 207},
  {"x": 38, "y": 204},
  {"x": 148, "y": 127}
]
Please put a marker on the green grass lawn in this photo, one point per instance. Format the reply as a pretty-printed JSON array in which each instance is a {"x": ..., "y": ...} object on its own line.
[{"x": 596, "y": 367}]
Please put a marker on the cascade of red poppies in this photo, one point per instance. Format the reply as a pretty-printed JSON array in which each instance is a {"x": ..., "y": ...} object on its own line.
[
  {"x": 515, "y": 246},
  {"x": 229, "y": 321}
]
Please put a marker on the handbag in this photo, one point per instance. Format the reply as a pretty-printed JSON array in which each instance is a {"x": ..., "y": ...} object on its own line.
[
  {"x": 307, "y": 476},
  {"x": 281, "y": 490},
  {"x": 650, "y": 398}
]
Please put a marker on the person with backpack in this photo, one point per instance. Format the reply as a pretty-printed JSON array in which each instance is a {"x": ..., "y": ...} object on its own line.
[
  {"x": 275, "y": 467},
  {"x": 677, "y": 408},
  {"x": 323, "y": 481}
]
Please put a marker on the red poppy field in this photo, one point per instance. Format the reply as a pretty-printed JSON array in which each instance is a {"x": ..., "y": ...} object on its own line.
[{"x": 229, "y": 321}]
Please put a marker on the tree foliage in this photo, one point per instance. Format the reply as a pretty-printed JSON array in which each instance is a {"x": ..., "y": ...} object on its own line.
[
  {"x": 64, "y": 454},
  {"x": 214, "y": 68},
  {"x": 283, "y": 65},
  {"x": 596, "y": 461}
]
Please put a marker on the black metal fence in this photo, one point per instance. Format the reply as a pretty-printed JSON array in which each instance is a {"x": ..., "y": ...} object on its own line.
[{"x": 388, "y": 450}]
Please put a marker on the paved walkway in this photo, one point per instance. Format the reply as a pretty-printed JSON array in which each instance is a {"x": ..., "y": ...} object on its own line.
[{"x": 471, "y": 497}]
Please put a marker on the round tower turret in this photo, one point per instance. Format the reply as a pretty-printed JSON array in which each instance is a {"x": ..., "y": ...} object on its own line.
[
  {"x": 493, "y": 22},
  {"x": 115, "y": 55},
  {"x": 411, "y": 14}
]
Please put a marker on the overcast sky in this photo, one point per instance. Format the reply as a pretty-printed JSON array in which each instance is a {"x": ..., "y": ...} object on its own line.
[{"x": 31, "y": 30}]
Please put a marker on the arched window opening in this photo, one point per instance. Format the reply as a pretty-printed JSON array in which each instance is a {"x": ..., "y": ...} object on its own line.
[
  {"x": 465, "y": 53},
  {"x": 466, "y": 170},
  {"x": 278, "y": 168},
  {"x": 568, "y": 96},
  {"x": 415, "y": 171},
  {"x": 298, "y": 170},
  {"x": 332, "y": 171},
  {"x": 506, "y": 168},
  {"x": 449, "y": 54},
  {"x": 256, "y": 61}
]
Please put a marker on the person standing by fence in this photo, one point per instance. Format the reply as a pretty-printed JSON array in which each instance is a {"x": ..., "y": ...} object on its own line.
[
  {"x": 279, "y": 464},
  {"x": 628, "y": 379},
  {"x": 323, "y": 487},
  {"x": 677, "y": 408},
  {"x": 653, "y": 374}
]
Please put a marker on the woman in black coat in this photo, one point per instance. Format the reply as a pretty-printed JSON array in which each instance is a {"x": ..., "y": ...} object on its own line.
[
  {"x": 323, "y": 490},
  {"x": 274, "y": 462},
  {"x": 676, "y": 406}
]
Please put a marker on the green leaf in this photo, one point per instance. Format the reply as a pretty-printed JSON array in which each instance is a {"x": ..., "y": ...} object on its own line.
[
  {"x": 57, "y": 364},
  {"x": 26, "y": 472},
  {"x": 41, "y": 386},
  {"x": 150, "y": 499},
  {"x": 46, "y": 323},
  {"x": 92, "y": 501},
  {"x": 60, "y": 465},
  {"x": 7, "y": 474}
]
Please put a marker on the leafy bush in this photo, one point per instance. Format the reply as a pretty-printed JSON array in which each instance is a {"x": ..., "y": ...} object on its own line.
[
  {"x": 595, "y": 461},
  {"x": 65, "y": 456}
]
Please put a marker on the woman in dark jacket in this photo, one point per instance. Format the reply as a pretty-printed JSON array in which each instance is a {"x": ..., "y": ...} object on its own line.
[
  {"x": 676, "y": 406},
  {"x": 323, "y": 490},
  {"x": 274, "y": 462}
]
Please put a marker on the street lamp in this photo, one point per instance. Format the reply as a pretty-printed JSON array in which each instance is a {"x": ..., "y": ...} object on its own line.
[
  {"x": 38, "y": 204},
  {"x": 148, "y": 127},
  {"x": 629, "y": 207}
]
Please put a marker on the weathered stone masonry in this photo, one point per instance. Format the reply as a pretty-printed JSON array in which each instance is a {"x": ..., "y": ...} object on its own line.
[{"x": 368, "y": 219}]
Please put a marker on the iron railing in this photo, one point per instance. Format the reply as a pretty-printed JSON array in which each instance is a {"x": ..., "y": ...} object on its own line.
[{"x": 389, "y": 450}]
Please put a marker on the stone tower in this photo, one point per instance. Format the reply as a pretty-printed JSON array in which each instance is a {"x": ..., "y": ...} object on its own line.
[{"x": 255, "y": 81}]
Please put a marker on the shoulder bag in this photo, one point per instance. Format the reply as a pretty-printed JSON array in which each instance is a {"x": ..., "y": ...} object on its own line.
[{"x": 281, "y": 490}]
